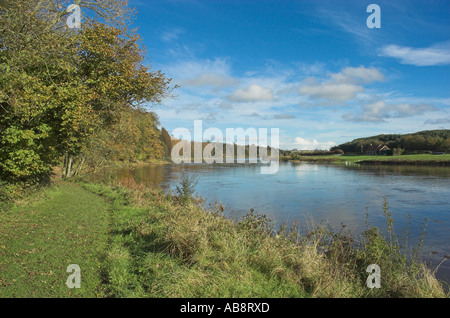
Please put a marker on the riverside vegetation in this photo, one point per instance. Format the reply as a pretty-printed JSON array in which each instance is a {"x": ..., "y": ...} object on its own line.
[
  {"x": 415, "y": 159},
  {"x": 132, "y": 240}
]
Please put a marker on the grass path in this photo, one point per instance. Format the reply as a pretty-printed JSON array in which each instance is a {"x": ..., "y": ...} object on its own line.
[{"x": 39, "y": 239}]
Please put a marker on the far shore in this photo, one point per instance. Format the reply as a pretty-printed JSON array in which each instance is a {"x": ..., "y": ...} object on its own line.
[{"x": 414, "y": 159}]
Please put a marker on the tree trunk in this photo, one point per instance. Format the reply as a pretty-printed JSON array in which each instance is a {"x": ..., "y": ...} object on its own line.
[
  {"x": 64, "y": 168},
  {"x": 69, "y": 165},
  {"x": 80, "y": 165}
]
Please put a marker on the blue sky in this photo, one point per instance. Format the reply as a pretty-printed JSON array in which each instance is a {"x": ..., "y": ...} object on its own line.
[{"x": 311, "y": 68}]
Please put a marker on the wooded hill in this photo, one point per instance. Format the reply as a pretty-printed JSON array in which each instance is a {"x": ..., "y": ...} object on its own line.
[{"x": 420, "y": 142}]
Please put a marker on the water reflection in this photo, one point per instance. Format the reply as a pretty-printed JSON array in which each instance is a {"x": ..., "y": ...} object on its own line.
[{"x": 302, "y": 168}]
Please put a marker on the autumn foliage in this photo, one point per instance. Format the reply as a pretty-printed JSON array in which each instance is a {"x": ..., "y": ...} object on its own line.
[{"x": 66, "y": 94}]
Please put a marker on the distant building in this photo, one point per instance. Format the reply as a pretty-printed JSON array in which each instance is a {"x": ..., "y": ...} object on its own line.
[
  {"x": 378, "y": 150},
  {"x": 371, "y": 151},
  {"x": 385, "y": 151}
]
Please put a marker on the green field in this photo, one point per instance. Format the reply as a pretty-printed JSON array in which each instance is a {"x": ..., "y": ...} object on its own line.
[{"x": 419, "y": 159}]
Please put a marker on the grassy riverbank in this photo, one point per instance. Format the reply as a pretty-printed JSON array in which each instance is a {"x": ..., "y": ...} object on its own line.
[
  {"x": 135, "y": 241},
  {"x": 416, "y": 159}
]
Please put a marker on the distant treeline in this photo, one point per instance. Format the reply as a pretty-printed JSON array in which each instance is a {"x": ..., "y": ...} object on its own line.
[
  {"x": 245, "y": 151},
  {"x": 420, "y": 142},
  {"x": 296, "y": 154}
]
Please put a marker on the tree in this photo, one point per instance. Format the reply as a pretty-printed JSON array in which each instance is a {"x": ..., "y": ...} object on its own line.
[
  {"x": 60, "y": 87},
  {"x": 110, "y": 66},
  {"x": 31, "y": 87},
  {"x": 444, "y": 145},
  {"x": 167, "y": 140}
]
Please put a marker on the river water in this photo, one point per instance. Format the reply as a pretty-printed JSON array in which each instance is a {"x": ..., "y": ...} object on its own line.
[{"x": 331, "y": 194}]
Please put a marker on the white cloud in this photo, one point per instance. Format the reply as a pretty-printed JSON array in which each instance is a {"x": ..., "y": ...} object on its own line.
[
  {"x": 253, "y": 93},
  {"x": 331, "y": 91},
  {"x": 437, "y": 121},
  {"x": 380, "y": 111},
  {"x": 359, "y": 74},
  {"x": 347, "y": 21},
  {"x": 211, "y": 79},
  {"x": 210, "y": 117},
  {"x": 195, "y": 72},
  {"x": 171, "y": 35},
  {"x": 224, "y": 105},
  {"x": 310, "y": 69},
  {"x": 438, "y": 54},
  {"x": 342, "y": 86},
  {"x": 305, "y": 144},
  {"x": 284, "y": 116}
]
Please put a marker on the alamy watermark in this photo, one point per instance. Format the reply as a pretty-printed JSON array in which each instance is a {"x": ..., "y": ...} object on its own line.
[
  {"x": 374, "y": 279},
  {"x": 259, "y": 150},
  {"x": 74, "y": 20},
  {"x": 74, "y": 279},
  {"x": 374, "y": 20}
]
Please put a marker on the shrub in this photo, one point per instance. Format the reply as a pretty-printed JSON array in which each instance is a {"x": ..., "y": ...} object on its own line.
[{"x": 186, "y": 189}]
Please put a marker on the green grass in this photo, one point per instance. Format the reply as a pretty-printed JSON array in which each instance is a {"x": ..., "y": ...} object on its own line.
[
  {"x": 420, "y": 159},
  {"x": 404, "y": 158},
  {"x": 162, "y": 250},
  {"x": 163, "y": 246},
  {"x": 136, "y": 241},
  {"x": 39, "y": 238}
]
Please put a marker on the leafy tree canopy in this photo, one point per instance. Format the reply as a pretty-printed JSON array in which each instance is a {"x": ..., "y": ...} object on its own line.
[{"x": 59, "y": 86}]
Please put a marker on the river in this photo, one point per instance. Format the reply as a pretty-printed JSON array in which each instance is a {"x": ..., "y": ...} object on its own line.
[{"x": 331, "y": 194}]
